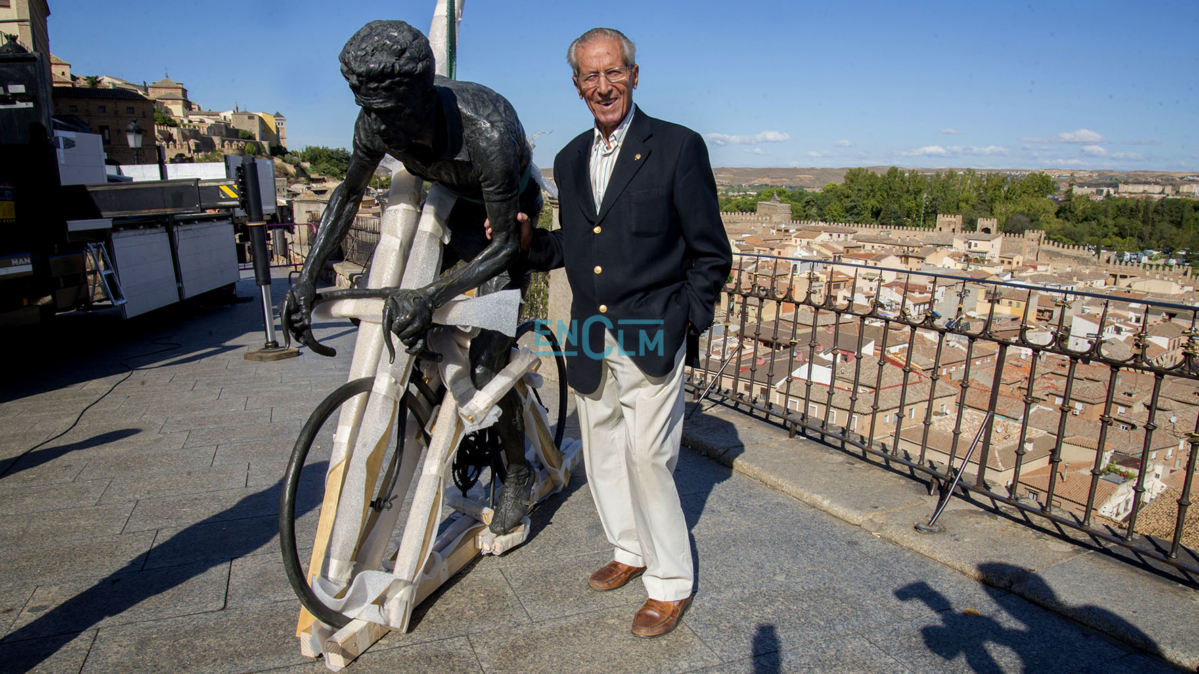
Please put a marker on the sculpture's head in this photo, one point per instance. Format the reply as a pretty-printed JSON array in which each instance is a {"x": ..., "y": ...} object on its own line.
[{"x": 389, "y": 67}]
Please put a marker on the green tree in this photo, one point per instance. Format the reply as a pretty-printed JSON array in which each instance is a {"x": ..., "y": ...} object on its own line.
[{"x": 163, "y": 119}]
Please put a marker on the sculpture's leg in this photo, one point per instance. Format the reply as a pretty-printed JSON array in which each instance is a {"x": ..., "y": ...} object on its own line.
[{"x": 486, "y": 349}]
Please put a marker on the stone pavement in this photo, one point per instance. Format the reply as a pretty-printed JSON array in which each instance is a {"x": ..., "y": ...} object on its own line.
[{"x": 144, "y": 540}]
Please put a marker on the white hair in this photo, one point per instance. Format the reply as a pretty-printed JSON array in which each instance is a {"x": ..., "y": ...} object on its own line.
[{"x": 628, "y": 50}]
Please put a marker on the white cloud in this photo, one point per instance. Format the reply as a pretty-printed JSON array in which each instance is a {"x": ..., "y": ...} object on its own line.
[
  {"x": 1132, "y": 156},
  {"x": 940, "y": 151},
  {"x": 1094, "y": 151},
  {"x": 764, "y": 137},
  {"x": 1141, "y": 141},
  {"x": 927, "y": 150},
  {"x": 816, "y": 155},
  {"x": 842, "y": 143},
  {"x": 1081, "y": 136},
  {"x": 950, "y": 131},
  {"x": 971, "y": 149},
  {"x": 757, "y": 151}
]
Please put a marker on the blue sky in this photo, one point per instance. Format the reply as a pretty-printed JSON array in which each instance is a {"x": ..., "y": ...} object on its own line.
[{"x": 788, "y": 84}]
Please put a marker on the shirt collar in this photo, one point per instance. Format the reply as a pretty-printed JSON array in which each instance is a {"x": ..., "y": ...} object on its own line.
[{"x": 617, "y": 135}]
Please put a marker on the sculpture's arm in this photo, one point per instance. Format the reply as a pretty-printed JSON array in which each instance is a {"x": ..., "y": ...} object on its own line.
[
  {"x": 335, "y": 222},
  {"x": 409, "y": 313},
  {"x": 495, "y": 258}
]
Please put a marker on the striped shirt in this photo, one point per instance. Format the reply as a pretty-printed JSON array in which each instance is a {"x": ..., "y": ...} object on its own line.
[{"x": 603, "y": 157}]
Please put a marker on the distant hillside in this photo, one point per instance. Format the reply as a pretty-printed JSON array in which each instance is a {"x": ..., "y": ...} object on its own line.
[
  {"x": 818, "y": 177},
  {"x": 728, "y": 177}
]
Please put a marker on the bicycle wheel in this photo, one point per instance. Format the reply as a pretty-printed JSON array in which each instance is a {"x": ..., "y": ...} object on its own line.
[
  {"x": 304, "y": 487},
  {"x": 555, "y": 402}
]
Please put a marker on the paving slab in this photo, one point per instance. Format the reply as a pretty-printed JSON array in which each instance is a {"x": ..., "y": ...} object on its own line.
[
  {"x": 829, "y": 479},
  {"x": 249, "y": 639},
  {"x": 52, "y": 655},
  {"x": 33, "y": 530},
  {"x": 260, "y": 579},
  {"x": 447, "y": 656},
  {"x": 175, "y": 422},
  {"x": 847, "y": 655},
  {"x": 274, "y": 448},
  {"x": 214, "y": 542},
  {"x": 477, "y": 602},
  {"x": 122, "y": 598},
  {"x": 1010, "y": 635},
  {"x": 161, "y": 484},
  {"x": 971, "y": 537},
  {"x": 55, "y": 561},
  {"x": 598, "y": 642},
  {"x": 121, "y": 463},
  {"x": 742, "y": 555},
  {"x": 236, "y": 504},
  {"x": 1159, "y": 617},
  {"x": 1131, "y": 664},
  {"x": 244, "y": 433},
  {"x": 802, "y": 606},
  {"x": 22, "y": 499},
  {"x": 13, "y": 598},
  {"x": 716, "y": 431},
  {"x": 557, "y": 587}
]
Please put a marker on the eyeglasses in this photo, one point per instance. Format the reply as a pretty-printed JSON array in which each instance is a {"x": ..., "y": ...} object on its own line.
[{"x": 613, "y": 75}]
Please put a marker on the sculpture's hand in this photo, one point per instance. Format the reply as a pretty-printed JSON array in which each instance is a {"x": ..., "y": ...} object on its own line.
[
  {"x": 296, "y": 314},
  {"x": 409, "y": 314},
  {"x": 526, "y": 231}
]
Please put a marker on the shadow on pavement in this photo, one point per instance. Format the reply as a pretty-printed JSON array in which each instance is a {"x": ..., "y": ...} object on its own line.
[
  {"x": 766, "y": 640},
  {"x": 130, "y": 585},
  {"x": 968, "y": 633},
  {"x": 43, "y": 456},
  {"x": 77, "y": 347}
]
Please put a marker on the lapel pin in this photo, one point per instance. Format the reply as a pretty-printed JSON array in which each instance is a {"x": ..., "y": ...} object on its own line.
[{"x": 637, "y": 156}]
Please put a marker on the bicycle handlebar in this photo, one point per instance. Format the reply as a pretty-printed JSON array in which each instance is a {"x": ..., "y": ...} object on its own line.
[{"x": 307, "y": 338}]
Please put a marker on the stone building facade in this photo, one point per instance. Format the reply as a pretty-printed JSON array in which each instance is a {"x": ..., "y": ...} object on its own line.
[{"x": 107, "y": 112}]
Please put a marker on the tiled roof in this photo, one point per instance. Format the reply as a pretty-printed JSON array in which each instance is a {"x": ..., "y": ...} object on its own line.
[{"x": 101, "y": 94}]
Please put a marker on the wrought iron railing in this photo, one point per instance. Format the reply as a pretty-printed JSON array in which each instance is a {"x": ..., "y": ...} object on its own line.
[
  {"x": 900, "y": 364},
  {"x": 358, "y": 246}
]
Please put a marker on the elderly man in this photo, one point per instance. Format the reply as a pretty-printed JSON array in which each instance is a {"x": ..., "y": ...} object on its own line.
[
  {"x": 468, "y": 139},
  {"x": 646, "y": 255}
]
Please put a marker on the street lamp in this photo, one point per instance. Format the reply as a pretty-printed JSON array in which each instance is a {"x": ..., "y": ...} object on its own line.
[{"x": 133, "y": 133}]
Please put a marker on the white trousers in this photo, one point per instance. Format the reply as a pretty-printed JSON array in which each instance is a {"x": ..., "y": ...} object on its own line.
[{"x": 631, "y": 427}]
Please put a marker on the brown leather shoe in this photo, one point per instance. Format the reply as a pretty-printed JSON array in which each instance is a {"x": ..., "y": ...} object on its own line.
[
  {"x": 656, "y": 618},
  {"x": 614, "y": 575}
]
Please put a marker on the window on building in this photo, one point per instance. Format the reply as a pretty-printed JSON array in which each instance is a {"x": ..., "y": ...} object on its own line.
[
  {"x": 102, "y": 108},
  {"x": 129, "y": 109},
  {"x": 5, "y": 3},
  {"x": 106, "y": 134},
  {"x": 71, "y": 108}
]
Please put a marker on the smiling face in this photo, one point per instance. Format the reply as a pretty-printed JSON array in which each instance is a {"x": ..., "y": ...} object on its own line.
[{"x": 609, "y": 102}]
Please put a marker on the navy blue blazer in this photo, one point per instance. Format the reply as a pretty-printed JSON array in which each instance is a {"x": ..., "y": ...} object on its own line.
[{"x": 654, "y": 257}]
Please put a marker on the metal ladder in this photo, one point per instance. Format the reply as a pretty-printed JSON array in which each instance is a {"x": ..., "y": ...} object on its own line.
[{"x": 105, "y": 275}]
